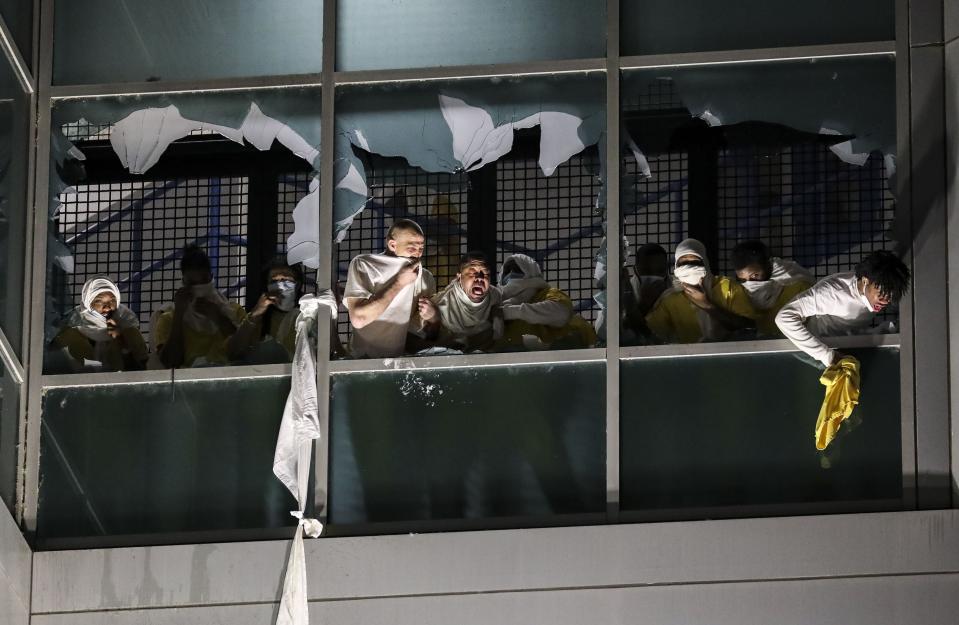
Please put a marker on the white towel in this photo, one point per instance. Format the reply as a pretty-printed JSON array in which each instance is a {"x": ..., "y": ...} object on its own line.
[{"x": 291, "y": 460}]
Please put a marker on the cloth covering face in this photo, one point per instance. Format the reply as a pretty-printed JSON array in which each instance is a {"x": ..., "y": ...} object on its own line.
[
  {"x": 766, "y": 293},
  {"x": 834, "y": 306},
  {"x": 842, "y": 395},
  {"x": 201, "y": 345},
  {"x": 92, "y": 324},
  {"x": 462, "y": 317},
  {"x": 385, "y": 337},
  {"x": 520, "y": 290}
]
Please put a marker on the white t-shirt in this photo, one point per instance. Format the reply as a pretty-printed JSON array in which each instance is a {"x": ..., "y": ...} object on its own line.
[
  {"x": 385, "y": 337},
  {"x": 832, "y": 307}
]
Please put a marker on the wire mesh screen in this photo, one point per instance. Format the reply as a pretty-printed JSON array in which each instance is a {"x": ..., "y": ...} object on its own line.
[
  {"x": 655, "y": 208},
  {"x": 133, "y": 232},
  {"x": 805, "y": 204},
  {"x": 554, "y": 220},
  {"x": 291, "y": 188},
  {"x": 437, "y": 202}
]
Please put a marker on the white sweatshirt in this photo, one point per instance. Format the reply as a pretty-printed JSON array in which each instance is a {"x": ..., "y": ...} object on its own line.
[{"x": 832, "y": 307}]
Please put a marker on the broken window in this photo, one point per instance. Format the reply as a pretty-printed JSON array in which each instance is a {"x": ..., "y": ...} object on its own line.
[
  {"x": 384, "y": 34},
  {"x": 504, "y": 166},
  {"x": 14, "y": 137},
  {"x": 137, "y": 179},
  {"x": 665, "y": 26},
  {"x": 104, "y": 41},
  {"x": 799, "y": 155}
]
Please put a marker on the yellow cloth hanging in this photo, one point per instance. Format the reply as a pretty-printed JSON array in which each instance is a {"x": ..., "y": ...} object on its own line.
[{"x": 842, "y": 394}]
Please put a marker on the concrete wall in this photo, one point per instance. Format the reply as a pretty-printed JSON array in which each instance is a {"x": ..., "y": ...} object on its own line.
[
  {"x": 15, "y": 570},
  {"x": 870, "y": 568}
]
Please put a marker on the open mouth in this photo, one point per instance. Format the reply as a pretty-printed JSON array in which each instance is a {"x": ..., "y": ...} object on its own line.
[
  {"x": 878, "y": 307},
  {"x": 477, "y": 291}
]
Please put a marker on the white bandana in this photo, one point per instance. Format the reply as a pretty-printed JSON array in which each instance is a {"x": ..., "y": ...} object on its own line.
[{"x": 92, "y": 324}]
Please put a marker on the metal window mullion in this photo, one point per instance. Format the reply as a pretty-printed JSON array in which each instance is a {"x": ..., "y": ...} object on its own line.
[
  {"x": 324, "y": 234},
  {"x": 28, "y": 479},
  {"x": 613, "y": 261},
  {"x": 904, "y": 207}
]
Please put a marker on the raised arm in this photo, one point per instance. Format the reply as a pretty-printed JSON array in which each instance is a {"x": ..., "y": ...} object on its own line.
[{"x": 365, "y": 310}]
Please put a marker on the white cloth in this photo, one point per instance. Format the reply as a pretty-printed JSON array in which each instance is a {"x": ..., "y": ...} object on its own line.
[
  {"x": 831, "y": 307},
  {"x": 93, "y": 325},
  {"x": 693, "y": 275},
  {"x": 519, "y": 292},
  {"x": 385, "y": 337},
  {"x": 96, "y": 286},
  {"x": 463, "y": 317},
  {"x": 765, "y": 293},
  {"x": 194, "y": 319},
  {"x": 291, "y": 460}
]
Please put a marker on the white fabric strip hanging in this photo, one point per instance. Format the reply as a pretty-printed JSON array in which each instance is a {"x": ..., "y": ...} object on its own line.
[{"x": 291, "y": 460}]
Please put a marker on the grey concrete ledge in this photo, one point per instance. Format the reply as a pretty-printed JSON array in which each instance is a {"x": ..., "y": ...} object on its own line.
[{"x": 699, "y": 552}]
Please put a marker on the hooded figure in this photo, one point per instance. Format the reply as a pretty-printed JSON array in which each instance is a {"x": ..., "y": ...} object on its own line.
[
  {"x": 469, "y": 307},
  {"x": 101, "y": 333},
  {"x": 699, "y": 306},
  {"x": 536, "y": 315}
]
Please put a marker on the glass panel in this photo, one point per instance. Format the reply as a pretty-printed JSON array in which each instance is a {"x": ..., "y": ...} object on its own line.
[
  {"x": 504, "y": 166},
  {"x": 663, "y": 26},
  {"x": 467, "y": 444},
  {"x": 9, "y": 423},
  {"x": 798, "y": 155},
  {"x": 14, "y": 137},
  {"x": 389, "y": 34},
  {"x": 155, "y": 458},
  {"x": 139, "y": 178},
  {"x": 746, "y": 435},
  {"x": 106, "y": 41},
  {"x": 18, "y": 16}
]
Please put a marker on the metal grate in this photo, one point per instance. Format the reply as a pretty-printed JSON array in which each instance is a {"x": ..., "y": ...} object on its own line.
[
  {"x": 438, "y": 202},
  {"x": 133, "y": 232},
  {"x": 291, "y": 188},
  {"x": 554, "y": 220},
  {"x": 655, "y": 208},
  {"x": 806, "y": 204}
]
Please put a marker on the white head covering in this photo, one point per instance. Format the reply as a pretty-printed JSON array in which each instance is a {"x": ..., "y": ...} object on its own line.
[
  {"x": 96, "y": 286},
  {"x": 690, "y": 274},
  {"x": 521, "y": 290},
  {"x": 92, "y": 324}
]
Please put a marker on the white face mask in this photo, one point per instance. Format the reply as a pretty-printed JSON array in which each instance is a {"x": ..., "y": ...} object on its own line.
[
  {"x": 513, "y": 275},
  {"x": 690, "y": 274},
  {"x": 287, "y": 295},
  {"x": 763, "y": 293}
]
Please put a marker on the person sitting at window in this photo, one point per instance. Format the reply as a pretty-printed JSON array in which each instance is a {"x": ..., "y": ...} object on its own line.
[
  {"x": 470, "y": 307},
  {"x": 842, "y": 304},
  {"x": 537, "y": 315},
  {"x": 643, "y": 289},
  {"x": 388, "y": 296},
  {"x": 770, "y": 282},
  {"x": 700, "y": 306},
  {"x": 101, "y": 334},
  {"x": 194, "y": 329}
]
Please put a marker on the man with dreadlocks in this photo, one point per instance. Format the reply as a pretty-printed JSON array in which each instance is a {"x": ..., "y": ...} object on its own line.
[{"x": 843, "y": 304}]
